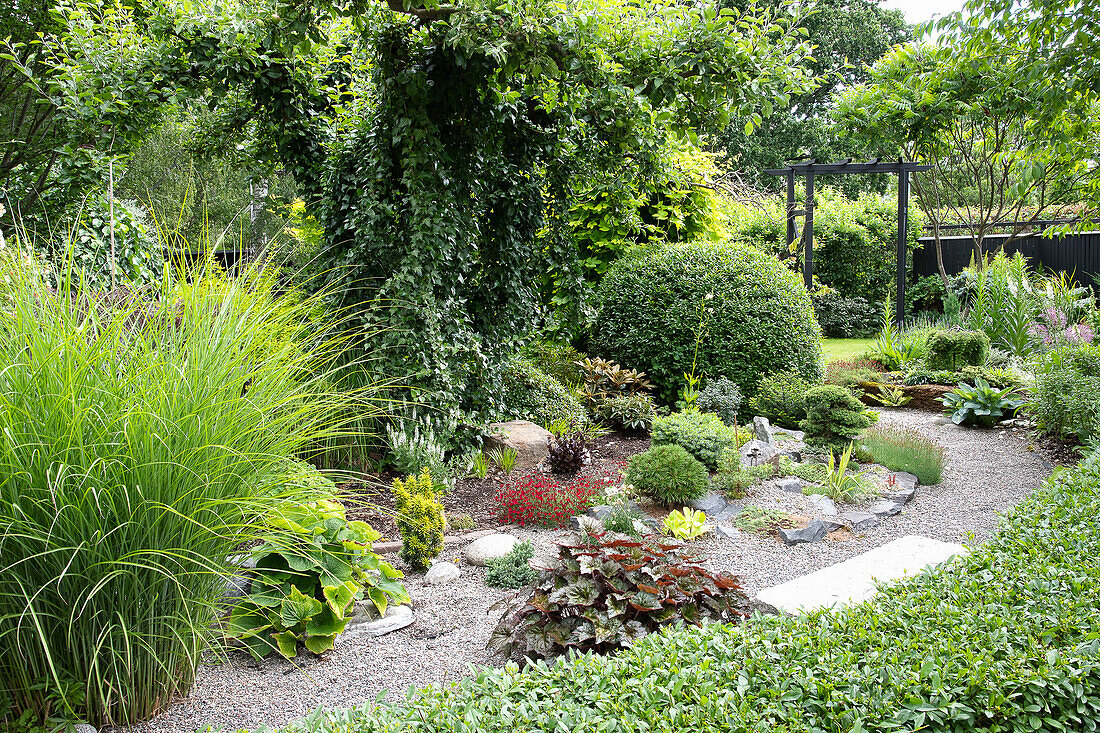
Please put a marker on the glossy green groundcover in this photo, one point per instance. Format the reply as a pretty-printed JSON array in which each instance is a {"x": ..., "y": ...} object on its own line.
[{"x": 1006, "y": 640}]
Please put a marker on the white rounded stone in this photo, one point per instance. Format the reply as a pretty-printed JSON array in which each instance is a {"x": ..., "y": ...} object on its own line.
[{"x": 480, "y": 552}]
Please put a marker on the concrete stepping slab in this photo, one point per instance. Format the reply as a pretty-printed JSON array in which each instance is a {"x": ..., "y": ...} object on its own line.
[{"x": 855, "y": 579}]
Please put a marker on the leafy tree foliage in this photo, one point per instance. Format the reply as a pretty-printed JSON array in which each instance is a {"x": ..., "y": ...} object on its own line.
[
  {"x": 993, "y": 155},
  {"x": 848, "y": 36}
]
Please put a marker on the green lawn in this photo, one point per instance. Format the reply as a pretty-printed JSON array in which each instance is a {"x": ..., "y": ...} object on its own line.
[{"x": 836, "y": 349}]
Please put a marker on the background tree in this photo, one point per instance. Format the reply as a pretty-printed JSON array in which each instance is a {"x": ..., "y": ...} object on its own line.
[
  {"x": 848, "y": 36},
  {"x": 993, "y": 156}
]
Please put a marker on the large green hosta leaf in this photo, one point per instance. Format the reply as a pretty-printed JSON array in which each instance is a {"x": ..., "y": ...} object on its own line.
[
  {"x": 326, "y": 623},
  {"x": 298, "y": 608},
  {"x": 287, "y": 643},
  {"x": 320, "y": 644}
]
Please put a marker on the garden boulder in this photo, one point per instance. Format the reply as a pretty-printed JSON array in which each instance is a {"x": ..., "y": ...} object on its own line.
[
  {"x": 526, "y": 438},
  {"x": 481, "y": 551}
]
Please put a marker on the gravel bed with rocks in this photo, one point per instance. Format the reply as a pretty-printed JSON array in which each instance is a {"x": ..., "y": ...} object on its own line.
[{"x": 987, "y": 472}]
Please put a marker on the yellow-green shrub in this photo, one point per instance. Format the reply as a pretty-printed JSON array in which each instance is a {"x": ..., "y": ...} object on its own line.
[{"x": 419, "y": 519}]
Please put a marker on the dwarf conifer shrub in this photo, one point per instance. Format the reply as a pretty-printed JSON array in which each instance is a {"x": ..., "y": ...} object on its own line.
[
  {"x": 514, "y": 569},
  {"x": 419, "y": 519},
  {"x": 726, "y": 309},
  {"x": 702, "y": 434},
  {"x": 834, "y": 417},
  {"x": 668, "y": 474}
]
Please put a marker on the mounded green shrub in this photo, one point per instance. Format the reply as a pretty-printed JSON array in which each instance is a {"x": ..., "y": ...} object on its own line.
[
  {"x": 668, "y": 474},
  {"x": 953, "y": 350},
  {"x": 834, "y": 417},
  {"x": 702, "y": 434},
  {"x": 1003, "y": 639},
  {"x": 747, "y": 314},
  {"x": 419, "y": 519},
  {"x": 532, "y": 394},
  {"x": 781, "y": 399}
]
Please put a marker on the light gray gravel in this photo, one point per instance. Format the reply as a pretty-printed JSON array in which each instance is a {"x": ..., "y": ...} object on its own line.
[{"x": 986, "y": 473}]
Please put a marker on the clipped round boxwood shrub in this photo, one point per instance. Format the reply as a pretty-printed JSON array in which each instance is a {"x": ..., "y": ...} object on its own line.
[
  {"x": 748, "y": 313},
  {"x": 702, "y": 434},
  {"x": 667, "y": 474},
  {"x": 532, "y": 394}
]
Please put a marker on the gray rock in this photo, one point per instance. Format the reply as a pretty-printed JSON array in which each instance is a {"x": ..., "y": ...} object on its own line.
[
  {"x": 885, "y": 508},
  {"x": 442, "y": 572},
  {"x": 583, "y": 522},
  {"x": 600, "y": 511},
  {"x": 481, "y": 551},
  {"x": 763, "y": 430},
  {"x": 902, "y": 496},
  {"x": 711, "y": 503},
  {"x": 237, "y": 586},
  {"x": 728, "y": 531},
  {"x": 729, "y": 511},
  {"x": 812, "y": 532},
  {"x": 526, "y": 438},
  {"x": 823, "y": 505},
  {"x": 84, "y": 728},
  {"x": 397, "y": 617},
  {"x": 757, "y": 452},
  {"x": 903, "y": 480},
  {"x": 791, "y": 484},
  {"x": 794, "y": 455},
  {"x": 832, "y": 524},
  {"x": 783, "y": 435},
  {"x": 245, "y": 561},
  {"x": 860, "y": 520}
]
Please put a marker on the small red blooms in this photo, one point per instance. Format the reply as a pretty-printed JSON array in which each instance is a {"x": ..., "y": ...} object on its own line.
[{"x": 543, "y": 500}]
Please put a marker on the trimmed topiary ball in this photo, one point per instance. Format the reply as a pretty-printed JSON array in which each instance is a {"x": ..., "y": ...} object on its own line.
[
  {"x": 834, "y": 417},
  {"x": 749, "y": 315},
  {"x": 668, "y": 474}
]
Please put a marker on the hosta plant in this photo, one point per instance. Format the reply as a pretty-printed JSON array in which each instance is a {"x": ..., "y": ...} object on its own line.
[
  {"x": 688, "y": 524},
  {"x": 634, "y": 412},
  {"x": 303, "y": 591},
  {"x": 607, "y": 591},
  {"x": 981, "y": 404}
]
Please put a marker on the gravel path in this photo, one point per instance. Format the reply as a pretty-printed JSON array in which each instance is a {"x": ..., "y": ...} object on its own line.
[{"x": 986, "y": 473}]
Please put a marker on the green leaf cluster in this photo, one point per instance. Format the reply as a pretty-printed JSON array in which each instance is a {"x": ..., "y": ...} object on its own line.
[
  {"x": 756, "y": 317},
  {"x": 668, "y": 474},
  {"x": 702, "y": 434},
  {"x": 834, "y": 417},
  {"x": 781, "y": 397},
  {"x": 980, "y": 404},
  {"x": 307, "y": 579}
]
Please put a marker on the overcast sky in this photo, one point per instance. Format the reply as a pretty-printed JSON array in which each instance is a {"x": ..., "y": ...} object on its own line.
[{"x": 918, "y": 11}]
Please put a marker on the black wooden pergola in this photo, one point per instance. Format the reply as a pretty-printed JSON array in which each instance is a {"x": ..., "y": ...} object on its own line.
[{"x": 808, "y": 169}]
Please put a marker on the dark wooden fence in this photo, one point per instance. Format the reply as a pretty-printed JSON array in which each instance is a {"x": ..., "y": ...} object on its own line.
[{"x": 1072, "y": 253}]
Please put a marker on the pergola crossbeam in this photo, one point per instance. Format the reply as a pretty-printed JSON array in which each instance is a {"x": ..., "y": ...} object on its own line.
[{"x": 808, "y": 169}]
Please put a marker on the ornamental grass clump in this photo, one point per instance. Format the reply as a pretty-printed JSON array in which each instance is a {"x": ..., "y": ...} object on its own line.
[
  {"x": 905, "y": 449},
  {"x": 133, "y": 426}
]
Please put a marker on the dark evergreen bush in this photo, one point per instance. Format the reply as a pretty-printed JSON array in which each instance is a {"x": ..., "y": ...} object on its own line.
[
  {"x": 731, "y": 310},
  {"x": 834, "y": 417},
  {"x": 668, "y": 474}
]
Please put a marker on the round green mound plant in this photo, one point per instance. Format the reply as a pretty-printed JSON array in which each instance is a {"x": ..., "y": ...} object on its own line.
[
  {"x": 707, "y": 309},
  {"x": 834, "y": 417},
  {"x": 667, "y": 474}
]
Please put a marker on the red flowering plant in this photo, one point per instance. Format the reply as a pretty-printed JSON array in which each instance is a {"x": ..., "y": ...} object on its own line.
[{"x": 544, "y": 501}]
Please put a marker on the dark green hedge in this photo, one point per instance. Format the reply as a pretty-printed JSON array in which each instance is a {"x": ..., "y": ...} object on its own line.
[
  {"x": 755, "y": 314},
  {"x": 1005, "y": 640}
]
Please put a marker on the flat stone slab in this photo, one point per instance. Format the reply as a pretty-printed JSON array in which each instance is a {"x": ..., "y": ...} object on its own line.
[
  {"x": 813, "y": 532},
  {"x": 712, "y": 503},
  {"x": 855, "y": 580},
  {"x": 860, "y": 520},
  {"x": 885, "y": 508}
]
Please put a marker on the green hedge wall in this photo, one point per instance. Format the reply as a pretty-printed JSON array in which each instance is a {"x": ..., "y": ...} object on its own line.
[{"x": 1006, "y": 640}]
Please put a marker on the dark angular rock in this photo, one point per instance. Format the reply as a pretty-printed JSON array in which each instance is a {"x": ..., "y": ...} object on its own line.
[
  {"x": 812, "y": 532},
  {"x": 885, "y": 508},
  {"x": 791, "y": 484},
  {"x": 860, "y": 520},
  {"x": 711, "y": 503}
]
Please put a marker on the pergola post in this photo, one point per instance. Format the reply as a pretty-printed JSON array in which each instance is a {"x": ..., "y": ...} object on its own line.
[
  {"x": 808, "y": 234},
  {"x": 903, "y": 240},
  {"x": 791, "y": 207}
]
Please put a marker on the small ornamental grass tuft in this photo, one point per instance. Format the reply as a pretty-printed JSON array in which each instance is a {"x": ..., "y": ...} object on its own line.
[
  {"x": 543, "y": 501},
  {"x": 906, "y": 449}
]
